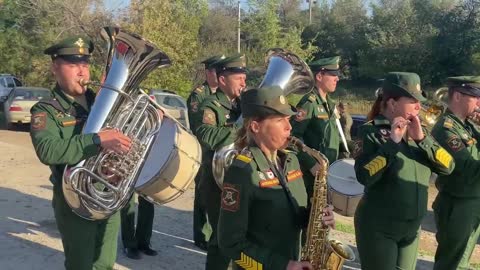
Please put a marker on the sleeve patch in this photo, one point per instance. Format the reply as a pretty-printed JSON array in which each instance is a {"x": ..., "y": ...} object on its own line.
[
  {"x": 209, "y": 117},
  {"x": 443, "y": 157},
  {"x": 248, "y": 263},
  {"x": 301, "y": 113},
  {"x": 376, "y": 165},
  {"x": 194, "y": 106},
  {"x": 455, "y": 143},
  {"x": 39, "y": 121},
  {"x": 230, "y": 197}
]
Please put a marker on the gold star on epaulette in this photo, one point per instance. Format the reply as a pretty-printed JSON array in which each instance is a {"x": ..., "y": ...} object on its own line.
[{"x": 312, "y": 98}]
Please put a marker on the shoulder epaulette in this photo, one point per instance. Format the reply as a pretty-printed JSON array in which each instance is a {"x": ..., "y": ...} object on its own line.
[
  {"x": 241, "y": 160},
  {"x": 312, "y": 98},
  {"x": 199, "y": 89},
  {"x": 448, "y": 123},
  {"x": 217, "y": 103}
]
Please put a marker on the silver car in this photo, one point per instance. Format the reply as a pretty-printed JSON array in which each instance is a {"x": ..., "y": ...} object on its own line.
[
  {"x": 20, "y": 101},
  {"x": 175, "y": 105}
]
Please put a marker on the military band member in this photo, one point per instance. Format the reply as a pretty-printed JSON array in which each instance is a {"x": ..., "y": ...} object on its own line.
[
  {"x": 395, "y": 164},
  {"x": 201, "y": 228},
  {"x": 56, "y": 136},
  {"x": 315, "y": 121},
  {"x": 457, "y": 203},
  {"x": 259, "y": 226},
  {"x": 136, "y": 239},
  {"x": 218, "y": 114}
]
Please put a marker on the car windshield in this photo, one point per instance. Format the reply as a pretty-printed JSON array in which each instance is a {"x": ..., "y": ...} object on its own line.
[{"x": 31, "y": 94}]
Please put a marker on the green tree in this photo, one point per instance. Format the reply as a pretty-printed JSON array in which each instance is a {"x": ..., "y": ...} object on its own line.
[{"x": 173, "y": 26}]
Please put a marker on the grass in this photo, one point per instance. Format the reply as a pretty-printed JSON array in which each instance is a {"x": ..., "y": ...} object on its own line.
[{"x": 344, "y": 227}]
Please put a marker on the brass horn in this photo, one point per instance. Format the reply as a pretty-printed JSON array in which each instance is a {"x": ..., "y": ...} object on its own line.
[
  {"x": 284, "y": 69},
  {"x": 429, "y": 114}
]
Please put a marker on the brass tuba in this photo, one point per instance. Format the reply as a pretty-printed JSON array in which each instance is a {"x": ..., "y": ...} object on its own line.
[
  {"x": 322, "y": 253},
  {"x": 429, "y": 114},
  {"x": 99, "y": 186},
  {"x": 284, "y": 69}
]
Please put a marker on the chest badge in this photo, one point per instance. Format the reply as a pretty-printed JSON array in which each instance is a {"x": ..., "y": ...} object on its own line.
[
  {"x": 270, "y": 175},
  {"x": 227, "y": 116}
]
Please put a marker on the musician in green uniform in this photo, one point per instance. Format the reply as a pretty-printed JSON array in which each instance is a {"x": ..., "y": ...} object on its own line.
[
  {"x": 136, "y": 239},
  {"x": 263, "y": 204},
  {"x": 457, "y": 203},
  {"x": 56, "y": 132},
  {"x": 396, "y": 160},
  {"x": 201, "y": 228},
  {"x": 315, "y": 122},
  {"x": 217, "y": 115}
]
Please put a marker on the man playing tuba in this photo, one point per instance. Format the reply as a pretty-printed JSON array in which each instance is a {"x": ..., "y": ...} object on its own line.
[{"x": 56, "y": 135}]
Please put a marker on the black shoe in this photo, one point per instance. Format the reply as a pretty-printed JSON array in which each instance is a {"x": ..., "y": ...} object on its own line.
[
  {"x": 201, "y": 245},
  {"x": 132, "y": 253},
  {"x": 147, "y": 250}
]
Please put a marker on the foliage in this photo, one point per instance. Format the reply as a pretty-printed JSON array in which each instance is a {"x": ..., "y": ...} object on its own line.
[{"x": 435, "y": 38}]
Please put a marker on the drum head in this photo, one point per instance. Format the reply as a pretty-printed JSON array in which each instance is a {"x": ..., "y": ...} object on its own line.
[
  {"x": 163, "y": 145},
  {"x": 342, "y": 178}
]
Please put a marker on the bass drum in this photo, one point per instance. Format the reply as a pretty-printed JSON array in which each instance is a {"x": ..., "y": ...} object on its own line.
[
  {"x": 174, "y": 160},
  {"x": 343, "y": 188}
]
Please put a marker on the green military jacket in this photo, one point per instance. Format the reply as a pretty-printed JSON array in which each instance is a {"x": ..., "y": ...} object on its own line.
[
  {"x": 55, "y": 131},
  {"x": 216, "y": 116},
  {"x": 396, "y": 176},
  {"x": 197, "y": 96},
  {"x": 258, "y": 225},
  {"x": 315, "y": 125},
  {"x": 461, "y": 141}
]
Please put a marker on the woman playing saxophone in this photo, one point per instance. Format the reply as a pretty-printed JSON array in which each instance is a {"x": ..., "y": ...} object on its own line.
[{"x": 263, "y": 202}]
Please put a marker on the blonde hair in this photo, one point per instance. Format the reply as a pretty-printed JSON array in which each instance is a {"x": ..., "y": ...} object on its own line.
[{"x": 244, "y": 135}]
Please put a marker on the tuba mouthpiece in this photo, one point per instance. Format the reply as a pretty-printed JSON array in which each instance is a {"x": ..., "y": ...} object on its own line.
[{"x": 84, "y": 82}]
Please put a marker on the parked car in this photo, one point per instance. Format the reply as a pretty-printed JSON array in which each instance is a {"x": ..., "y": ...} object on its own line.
[
  {"x": 7, "y": 83},
  {"x": 19, "y": 102},
  {"x": 174, "y": 104},
  {"x": 358, "y": 120}
]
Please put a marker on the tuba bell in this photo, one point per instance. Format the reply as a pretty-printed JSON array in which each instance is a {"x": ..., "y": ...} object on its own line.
[
  {"x": 429, "y": 114},
  {"x": 284, "y": 69},
  {"x": 99, "y": 186}
]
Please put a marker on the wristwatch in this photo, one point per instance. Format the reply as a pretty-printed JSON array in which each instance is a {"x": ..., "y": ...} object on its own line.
[{"x": 96, "y": 139}]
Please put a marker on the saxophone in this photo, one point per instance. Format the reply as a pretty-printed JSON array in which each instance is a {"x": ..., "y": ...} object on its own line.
[{"x": 322, "y": 253}]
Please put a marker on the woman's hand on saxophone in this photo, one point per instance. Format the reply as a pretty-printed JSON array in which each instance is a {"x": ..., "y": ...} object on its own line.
[
  {"x": 294, "y": 265},
  {"x": 113, "y": 139},
  {"x": 328, "y": 218}
]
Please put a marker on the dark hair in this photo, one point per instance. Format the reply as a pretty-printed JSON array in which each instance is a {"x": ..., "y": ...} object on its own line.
[{"x": 380, "y": 104}]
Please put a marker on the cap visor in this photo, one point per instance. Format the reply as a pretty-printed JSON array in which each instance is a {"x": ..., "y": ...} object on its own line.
[{"x": 75, "y": 58}]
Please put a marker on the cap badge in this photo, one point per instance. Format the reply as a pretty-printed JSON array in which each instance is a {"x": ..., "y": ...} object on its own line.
[
  {"x": 282, "y": 99},
  {"x": 80, "y": 42},
  {"x": 81, "y": 50},
  {"x": 418, "y": 87}
]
